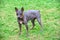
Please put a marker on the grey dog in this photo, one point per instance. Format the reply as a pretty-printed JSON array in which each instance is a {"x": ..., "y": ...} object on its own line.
[{"x": 24, "y": 16}]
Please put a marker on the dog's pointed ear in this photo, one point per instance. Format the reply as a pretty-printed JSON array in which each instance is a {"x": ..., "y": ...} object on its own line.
[
  {"x": 16, "y": 9},
  {"x": 22, "y": 9}
]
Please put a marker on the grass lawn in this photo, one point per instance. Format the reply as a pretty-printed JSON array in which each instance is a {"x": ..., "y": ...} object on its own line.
[{"x": 50, "y": 15}]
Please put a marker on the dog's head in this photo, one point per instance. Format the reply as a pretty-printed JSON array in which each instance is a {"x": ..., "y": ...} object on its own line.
[{"x": 19, "y": 14}]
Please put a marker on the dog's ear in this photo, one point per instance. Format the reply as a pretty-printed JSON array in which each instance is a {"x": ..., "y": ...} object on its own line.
[
  {"x": 16, "y": 9},
  {"x": 22, "y": 9}
]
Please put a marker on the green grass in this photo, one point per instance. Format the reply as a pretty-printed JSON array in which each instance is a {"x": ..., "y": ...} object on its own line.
[{"x": 50, "y": 14}]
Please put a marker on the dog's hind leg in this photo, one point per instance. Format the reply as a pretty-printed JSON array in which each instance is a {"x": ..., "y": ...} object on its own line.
[
  {"x": 33, "y": 24},
  {"x": 39, "y": 21}
]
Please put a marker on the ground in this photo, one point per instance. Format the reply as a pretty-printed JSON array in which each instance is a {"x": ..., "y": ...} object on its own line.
[{"x": 50, "y": 15}]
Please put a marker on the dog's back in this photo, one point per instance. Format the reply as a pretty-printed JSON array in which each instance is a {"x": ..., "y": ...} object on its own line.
[{"x": 31, "y": 14}]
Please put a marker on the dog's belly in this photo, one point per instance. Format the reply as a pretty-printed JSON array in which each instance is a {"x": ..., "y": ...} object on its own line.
[{"x": 31, "y": 17}]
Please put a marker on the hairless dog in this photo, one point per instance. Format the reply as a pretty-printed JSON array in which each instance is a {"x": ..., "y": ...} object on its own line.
[{"x": 24, "y": 16}]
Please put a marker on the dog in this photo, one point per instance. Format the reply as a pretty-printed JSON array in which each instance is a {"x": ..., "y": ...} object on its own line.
[{"x": 24, "y": 16}]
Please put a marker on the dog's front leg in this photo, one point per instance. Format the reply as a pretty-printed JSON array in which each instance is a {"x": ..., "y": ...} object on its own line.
[
  {"x": 26, "y": 28},
  {"x": 26, "y": 25},
  {"x": 19, "y": 27}
]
